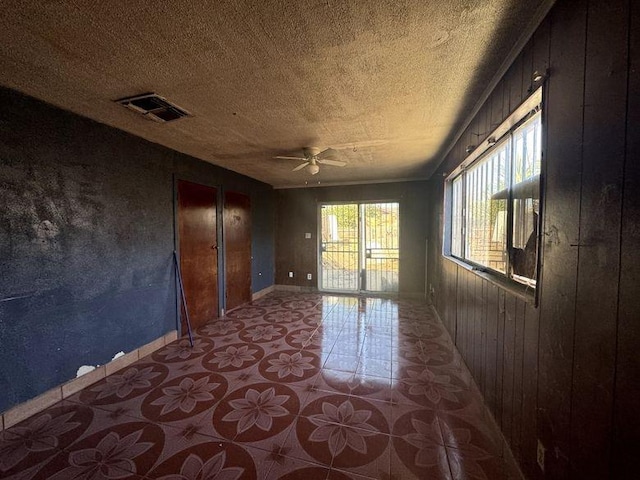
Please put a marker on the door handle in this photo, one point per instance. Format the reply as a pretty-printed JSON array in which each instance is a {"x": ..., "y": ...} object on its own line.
[{"x": 214, "y": 247}]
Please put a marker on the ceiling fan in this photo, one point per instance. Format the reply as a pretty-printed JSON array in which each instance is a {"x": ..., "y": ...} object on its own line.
[{"x": 313, "y": 158}]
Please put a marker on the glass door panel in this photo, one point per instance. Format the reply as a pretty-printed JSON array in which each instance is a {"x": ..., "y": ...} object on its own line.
[
  {"x": 339, "y": 247},
  {"x": 381, "y": 246}
]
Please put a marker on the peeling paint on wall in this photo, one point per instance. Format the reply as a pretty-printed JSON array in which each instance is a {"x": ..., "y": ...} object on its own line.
[{"x": 84, "y": 369}]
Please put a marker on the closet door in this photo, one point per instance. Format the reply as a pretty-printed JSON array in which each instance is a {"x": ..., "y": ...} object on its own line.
[
  {"x": 198, "y": 251},
  {"x": 237, "y": 239}
]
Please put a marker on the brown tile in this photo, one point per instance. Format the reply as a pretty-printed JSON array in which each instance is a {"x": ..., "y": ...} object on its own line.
[
  {"x": 83, "y": 381},
  {"x": 256, "y": 412},
  {"x": 290, "y": 366},
  {"x": 264, "y": 459},
  {"x": 413, "y": 463},
  {"x": 225, "y": 458},
  {"x": 36, "y": 440},
  {"x": 290, "y": 468},
  {"x": 375, "y": 465},
  {"x": 31, "y": 407},
  {"x": 336, "y": 474}
]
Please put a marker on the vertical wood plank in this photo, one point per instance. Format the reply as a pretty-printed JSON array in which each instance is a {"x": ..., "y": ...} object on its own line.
[
  {"x": 509, "y": 367},
  {"x": 562, "y": 201},
  {"x": 474, "y": 336},
  {"x": 599, "y": 246},
  {"x": 529, "y": 392},
  {"x": 542, "y": 43},
  {"x": 446, "y": 289},
  {"x": 518, "y": 379},
  {"x": 480, "y": 336},
  {"x": 506, "y": 95},
  {"x": 515, "y": 84},
  {"x": 471, "y": 334},
  {"x": 470, "y": 314},
  {"x": 485, "y": 121},
  {"x": 492, "y": 347},
  {"x": 460, "y": 310},
  {"x": 467, "y": 315},
  {"x": 454, "y": 294},
  {"x": 527, "y": 72},
  {"x": 471, "y": 292},
  {"x": 500, "y": 360},
  {"x": 481, "y": 353},
  {"x": 627, "y": 388},
  {"x": 473, "y": 344},
  {"x": 497, "y": 115}
]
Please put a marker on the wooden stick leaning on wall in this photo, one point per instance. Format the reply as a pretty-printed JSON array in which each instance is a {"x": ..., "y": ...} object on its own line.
[{"x": 184, "y": 300}]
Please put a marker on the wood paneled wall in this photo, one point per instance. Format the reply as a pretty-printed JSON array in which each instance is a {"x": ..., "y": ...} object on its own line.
[
  {"x": 298, "y": 214},
  {"x": 568, "y": 371}
]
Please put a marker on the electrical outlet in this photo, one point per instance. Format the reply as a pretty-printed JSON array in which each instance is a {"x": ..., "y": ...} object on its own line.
[
  {"x": 309, "y": 276},
  {"x": 540, "y": 455},
  {"x": 307, "y": 235},
  {"x": 290, "y": 274}
]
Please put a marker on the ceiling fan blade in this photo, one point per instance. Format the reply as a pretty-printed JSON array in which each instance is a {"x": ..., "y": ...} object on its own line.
[
  {"x": 329, "y": 152},
  {"x": 300, "y": 167},
  {"x": 335, "y": 163},
  {"x": 291, "y": 158}
]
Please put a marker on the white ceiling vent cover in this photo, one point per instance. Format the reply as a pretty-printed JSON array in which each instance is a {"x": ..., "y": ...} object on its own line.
[{"x": 154, "y": 107}]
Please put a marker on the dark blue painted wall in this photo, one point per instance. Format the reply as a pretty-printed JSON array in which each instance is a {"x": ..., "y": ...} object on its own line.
[{"x": 86, "y": 242}]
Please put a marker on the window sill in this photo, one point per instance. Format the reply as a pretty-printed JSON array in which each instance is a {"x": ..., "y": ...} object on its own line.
[{"x": 524, "y": 292}]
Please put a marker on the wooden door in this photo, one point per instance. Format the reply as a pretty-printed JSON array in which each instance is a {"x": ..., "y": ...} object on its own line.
[
  {"x": 237, "y": 238},
  {"x": 198, "y": 251}
]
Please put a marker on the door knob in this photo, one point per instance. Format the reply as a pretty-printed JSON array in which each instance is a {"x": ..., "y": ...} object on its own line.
[{"x": 214, "y": 247}]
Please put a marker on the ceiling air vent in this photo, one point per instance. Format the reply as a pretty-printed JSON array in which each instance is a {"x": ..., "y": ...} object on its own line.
[{"x": 154, "y": 107}]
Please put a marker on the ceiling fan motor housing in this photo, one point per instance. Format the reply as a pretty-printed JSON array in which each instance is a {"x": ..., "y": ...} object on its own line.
[{"x": 311, "y": 151}]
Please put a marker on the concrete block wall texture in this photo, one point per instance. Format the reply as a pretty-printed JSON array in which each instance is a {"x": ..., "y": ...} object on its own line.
[{"x": 86, "y": 242}]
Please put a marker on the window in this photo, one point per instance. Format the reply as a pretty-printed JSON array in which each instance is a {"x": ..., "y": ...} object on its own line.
[{"x": 492, "y": 200}]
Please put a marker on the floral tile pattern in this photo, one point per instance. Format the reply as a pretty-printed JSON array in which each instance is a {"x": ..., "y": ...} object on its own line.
[{"x": 291, "y": 386}]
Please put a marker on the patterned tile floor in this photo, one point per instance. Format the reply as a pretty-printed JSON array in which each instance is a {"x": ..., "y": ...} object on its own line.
[{"x": 290, "y": 386}]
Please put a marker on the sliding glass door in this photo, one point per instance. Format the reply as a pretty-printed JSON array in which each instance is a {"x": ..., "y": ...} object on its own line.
[{"x": 360, "y": 248}]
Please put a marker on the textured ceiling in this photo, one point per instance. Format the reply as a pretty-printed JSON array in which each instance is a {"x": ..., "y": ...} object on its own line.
[{"x": 386, "y": 82}]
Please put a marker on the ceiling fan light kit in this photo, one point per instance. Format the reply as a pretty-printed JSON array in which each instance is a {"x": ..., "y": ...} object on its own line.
[
  {"x": 313, "y": 158},
  {"x": 313, "y": 168}
]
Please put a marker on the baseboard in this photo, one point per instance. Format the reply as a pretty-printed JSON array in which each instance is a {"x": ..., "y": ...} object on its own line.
[
  {"x": 299, "y": 289},
  {"x": 412, "y": 295},
  {"x": 263, "y": 292},
  {"x": 22, "y": 411},
  {"x": 295, "y": 288}
]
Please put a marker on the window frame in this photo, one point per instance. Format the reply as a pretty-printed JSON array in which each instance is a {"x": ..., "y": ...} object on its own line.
[{"x": 532, "y": 106}]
